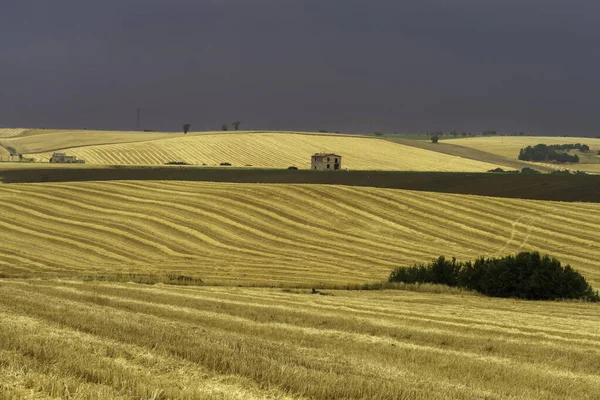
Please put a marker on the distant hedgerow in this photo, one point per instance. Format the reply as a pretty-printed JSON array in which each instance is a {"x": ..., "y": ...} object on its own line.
[{"x": 527, "y": 275}]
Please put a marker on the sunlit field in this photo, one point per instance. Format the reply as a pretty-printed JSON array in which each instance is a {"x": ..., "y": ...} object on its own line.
[
  {"x": 272, "y": 150},
  {"x": 4, "y": 154},
  {"x": 273, "y": 234},
  {"x": 89, "y": 341},
  {"x": 203, "y": 290},
  {"x": 509, "y": 146},
  {"x": 36, "y": 141},
  {"x": 11, "y": 132}
]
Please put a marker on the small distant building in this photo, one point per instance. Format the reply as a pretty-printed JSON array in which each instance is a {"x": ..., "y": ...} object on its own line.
[
  {"x": 15, "y": 157},
  {"x": 62, "y": 158},
  {"x": 326, "y": 161}
]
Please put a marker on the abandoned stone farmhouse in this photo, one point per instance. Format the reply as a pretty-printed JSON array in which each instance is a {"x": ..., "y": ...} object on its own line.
[
  {"x": 326, "y": 161},
  {"x": 62, "y": 158}
]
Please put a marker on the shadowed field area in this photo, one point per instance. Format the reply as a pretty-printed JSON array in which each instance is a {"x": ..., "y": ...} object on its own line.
[
  {"x": 273, "y": 234},
  {"x": 536, "y": 187},
  {"x": 89, "y": 341}
]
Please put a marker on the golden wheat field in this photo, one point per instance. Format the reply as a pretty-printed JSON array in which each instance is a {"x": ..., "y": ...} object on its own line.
[
  {"x": 271, "y": 150},
  {"x": 66, "y": 339},
  {"x": 37, "y": 141},
  {"x": 11, "y": 132},
  {"x": 4, "y": 154},
  {"x": 267, "y": 234},
  {"x": 509, "y": 146}
]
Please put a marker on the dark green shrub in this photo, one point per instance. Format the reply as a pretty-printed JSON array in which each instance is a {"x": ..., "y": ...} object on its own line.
[
  {"x": 559, "y": 172},
  {"x": 525, "y": 276},
  {"x": 528, "y": 170}
]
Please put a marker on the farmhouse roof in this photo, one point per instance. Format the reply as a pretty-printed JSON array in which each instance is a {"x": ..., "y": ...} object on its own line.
[{"x": 326, "y": 154}]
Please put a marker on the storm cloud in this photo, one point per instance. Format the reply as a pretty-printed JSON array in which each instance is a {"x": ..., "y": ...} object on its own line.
[{"x": 351, "y": 66}]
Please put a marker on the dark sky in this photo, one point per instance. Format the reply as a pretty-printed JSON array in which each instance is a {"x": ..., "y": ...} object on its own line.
[{"x": 352, "y": 66}]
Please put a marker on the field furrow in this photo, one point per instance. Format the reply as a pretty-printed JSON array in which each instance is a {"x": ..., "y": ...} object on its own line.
[
  {"x": 114, "y": 341},
  {"x": 274, "y": 234},
  {"x": 269, "y": 150}
]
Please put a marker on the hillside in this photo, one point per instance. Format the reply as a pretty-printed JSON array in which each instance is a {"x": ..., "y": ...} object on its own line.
[
  {"x": 4, "y": 154},
  {"x": 273, "y": 150},
  {"x": 118, "y": 341},
  {"x": 46, "y": 141},
  {"x": 449, "y": 147},
  {"x": 11, "y": 132},
  {"x": 509, "y": 146},
  {"x": 273, "y": 234}
]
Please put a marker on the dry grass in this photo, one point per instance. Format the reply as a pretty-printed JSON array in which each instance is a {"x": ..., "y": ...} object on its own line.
[
  {"x": 273, "y": 234},
  {"x": 88, "y": 341},
  {"x": 11, "y": 132},
  {"x": 38, "y": 141},
  {"x": 269, "y": 150},
  {"x": 509, "y": 147},
  {"x": 4, "y": 154}
]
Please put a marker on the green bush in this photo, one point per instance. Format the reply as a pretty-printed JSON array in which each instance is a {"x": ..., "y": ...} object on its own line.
[
  {"x": 528, "y": 170},
  {"x": 527, "y": 275}
]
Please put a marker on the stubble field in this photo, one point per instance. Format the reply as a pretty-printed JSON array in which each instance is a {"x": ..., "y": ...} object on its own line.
[
  {"x": 273, "y": 234},
  {"x": 62, "y": 339},
  {"x": 76, "y": 322},
  {"x": 271, "y": 150},
  {"x": 509, "y": 146}
]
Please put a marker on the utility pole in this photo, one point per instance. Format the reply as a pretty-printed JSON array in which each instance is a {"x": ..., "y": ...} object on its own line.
[{"x": 138, "y": 122}]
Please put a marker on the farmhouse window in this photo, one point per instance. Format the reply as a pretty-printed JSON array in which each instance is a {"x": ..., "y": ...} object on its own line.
[{"x": 327, "y": 166}]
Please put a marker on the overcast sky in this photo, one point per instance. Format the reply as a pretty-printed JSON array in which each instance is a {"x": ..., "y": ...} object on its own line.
[{"x": 345, "y": 65}]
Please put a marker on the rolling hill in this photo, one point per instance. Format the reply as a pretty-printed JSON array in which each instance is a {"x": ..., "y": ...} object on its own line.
[
  {"x": 272, "y": 150},
  {"x": 37, "y": 141},
  {"x": 4, "y": 154},
  {"x": 273, "y": 234},
  {"x": 509, "y": 146},
  {"x": 11, "y": 132}
]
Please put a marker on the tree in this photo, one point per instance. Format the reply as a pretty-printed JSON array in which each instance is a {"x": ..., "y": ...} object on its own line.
[
  {"x": 434, "y": 138},
  {"x": 378, "y": 134},
  {"x": 236, "y": 125},
  {"x": 186, "y": 128},
  {"x": 224, "y": 127}
]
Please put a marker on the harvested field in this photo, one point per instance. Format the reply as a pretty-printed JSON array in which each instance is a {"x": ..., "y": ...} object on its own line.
[
  {"x": 509, "y": 146},
  {"x": 11, "y": 132},
  {"x": 4, "y": 154},
  {"x": 273, "y": 234},
  {"x": 273, "y": 150},
  {"x": 48, "y": 141},
  {"x": 451, "y": 147},
  {"x": 109, "y": 341}
]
